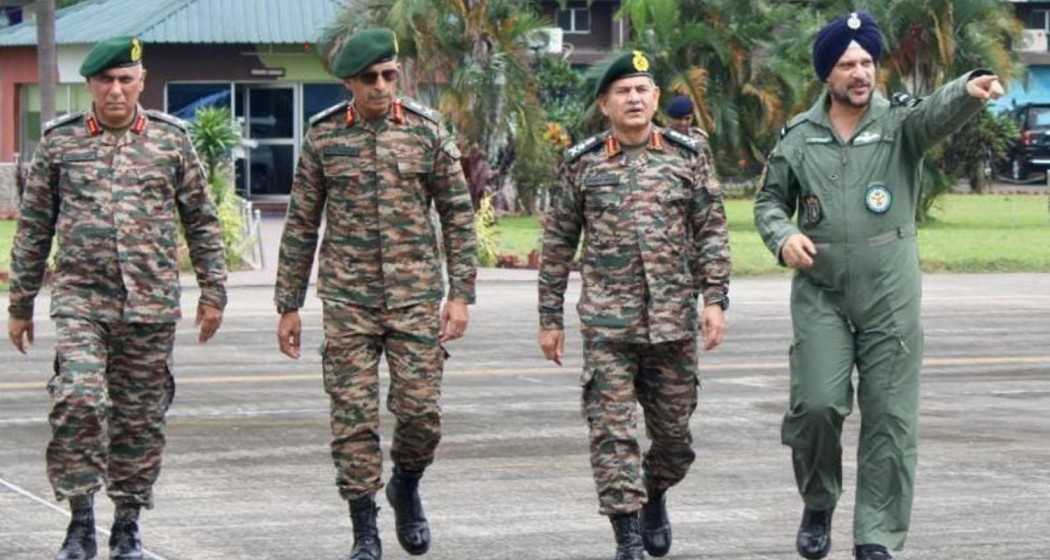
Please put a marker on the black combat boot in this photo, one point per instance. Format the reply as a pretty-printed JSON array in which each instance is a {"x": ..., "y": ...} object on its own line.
[
  {"x": 363, "y": 513},
  {"x": 80, "y": 541},
  {"x": 814, "y": 533},
  {"x": 125, "y": 539},
  {"x": 413, "y": 531},
  {"x": 656, "y": 527},
  {"x": 871, "y": 552},
  {"x": 628, "y": 536}
]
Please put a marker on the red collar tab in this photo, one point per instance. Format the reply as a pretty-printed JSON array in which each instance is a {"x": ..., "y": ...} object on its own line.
[
  {"x": 140, "y": 124},
  {"x": 351, "y": 115},
  {"x": 656, "y": 140},
  {"x": 612, "y": 147},
  {"x": 397, "y": 112},
  {"x": 92, "y": 125}
]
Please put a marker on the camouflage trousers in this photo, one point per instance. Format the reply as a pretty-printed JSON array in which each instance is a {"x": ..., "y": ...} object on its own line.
[
  {"x": 355, "y": 338},
  {"x": 111, "y": 389},
  {"x": 616, "y": 377}
]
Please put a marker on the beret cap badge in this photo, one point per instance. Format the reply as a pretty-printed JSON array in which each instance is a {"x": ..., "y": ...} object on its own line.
[
  {"x": 639, "y": 61},
  {"x": 136, "y": 50}
]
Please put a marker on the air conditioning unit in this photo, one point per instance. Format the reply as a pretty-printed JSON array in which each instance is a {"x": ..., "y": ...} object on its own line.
[
  {"x": 546, "y": 39},
  {"x": 1032, "y": 40}
]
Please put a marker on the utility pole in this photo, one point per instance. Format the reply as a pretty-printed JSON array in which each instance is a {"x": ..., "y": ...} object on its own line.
[{"x": 47, "y": 61}]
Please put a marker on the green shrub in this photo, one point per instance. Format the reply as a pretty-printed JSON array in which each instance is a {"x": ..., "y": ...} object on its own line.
[{"x": 487, "y": 233}]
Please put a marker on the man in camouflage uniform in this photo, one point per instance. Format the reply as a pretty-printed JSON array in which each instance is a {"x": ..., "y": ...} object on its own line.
[
  {"x": 371, "y": 168},
  {"x": 113, "y": 184},
  {"x": 650, "y": 207},
  {"x": 837, "y": 204}
]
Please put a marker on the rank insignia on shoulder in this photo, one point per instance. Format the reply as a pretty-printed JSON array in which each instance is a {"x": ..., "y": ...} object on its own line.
[
  {"x": 328, "y": 112},
  {"x": 573, "y": 153},
  {"x": 799, "y": 119},
  {"x": 170, "y": 119},
  {"x": 59, "y": 121},
  {"x": 682, "y": 140},
  {"x": 421, "y": 110},
  {"x": 901, "y": 99}
]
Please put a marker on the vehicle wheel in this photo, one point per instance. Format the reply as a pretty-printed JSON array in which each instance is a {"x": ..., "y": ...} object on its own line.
[{"x": 1017, "y": 170}]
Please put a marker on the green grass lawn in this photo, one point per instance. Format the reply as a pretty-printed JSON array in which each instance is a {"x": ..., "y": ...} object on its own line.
[{"x": 967, "y": 233}]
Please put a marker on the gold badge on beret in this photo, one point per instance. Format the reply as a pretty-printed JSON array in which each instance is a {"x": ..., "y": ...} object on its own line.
[
  {"x": 136, "y": 50},
  {"x": 641, "y": 64}
]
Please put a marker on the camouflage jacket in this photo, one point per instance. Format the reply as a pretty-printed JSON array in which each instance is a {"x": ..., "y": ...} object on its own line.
[
  {"x": 654, "y": 238},
  {"x": 374, "y": 184},
  {"x": 112, "y": 204}
]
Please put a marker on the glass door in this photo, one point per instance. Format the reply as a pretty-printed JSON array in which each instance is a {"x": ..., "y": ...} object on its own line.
[{"x": 269, "y": 121}]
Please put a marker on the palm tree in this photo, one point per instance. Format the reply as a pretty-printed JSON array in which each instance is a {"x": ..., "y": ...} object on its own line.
[
  {"x": 738, "y": 59},
  {"x": 470, "y": 60},
  {"x": 932, "y": 41}
]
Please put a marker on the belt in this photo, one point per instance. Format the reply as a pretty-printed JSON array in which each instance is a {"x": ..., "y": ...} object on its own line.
[{"x": 899, "y": 232}]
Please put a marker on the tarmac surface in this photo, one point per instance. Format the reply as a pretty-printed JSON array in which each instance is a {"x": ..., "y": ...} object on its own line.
[{"x": 247, "y": 473}]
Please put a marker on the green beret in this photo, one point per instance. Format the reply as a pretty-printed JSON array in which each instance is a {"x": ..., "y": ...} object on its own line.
[
  {"x": 633, "y": 63},
  {"x": 117, "y": 52},
  {"x": 364, "y": 49}
]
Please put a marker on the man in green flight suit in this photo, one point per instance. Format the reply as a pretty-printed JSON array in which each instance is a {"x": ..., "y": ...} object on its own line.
[{"x": 849, "y": 167}]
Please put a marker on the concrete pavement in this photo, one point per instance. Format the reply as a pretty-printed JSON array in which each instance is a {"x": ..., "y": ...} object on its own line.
[{"x": 247, "y": 473}]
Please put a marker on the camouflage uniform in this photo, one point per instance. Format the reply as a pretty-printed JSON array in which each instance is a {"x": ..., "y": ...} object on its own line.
[
  {"x": 655, "y": 238},
  {"x": 112, "y": 201},
  {"x": 379, "y": 274}
]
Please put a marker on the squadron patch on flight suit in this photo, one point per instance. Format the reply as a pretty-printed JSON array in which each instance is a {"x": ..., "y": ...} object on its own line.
[
  {"x": 811, "y": 210},
  {"x": 878, "y": 199}
]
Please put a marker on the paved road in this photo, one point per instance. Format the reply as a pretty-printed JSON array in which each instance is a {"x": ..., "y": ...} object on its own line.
[{"x": 247, "y": 472}]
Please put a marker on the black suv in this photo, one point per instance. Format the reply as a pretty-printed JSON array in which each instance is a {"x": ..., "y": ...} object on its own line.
[{"x": 1032, "y": 148}]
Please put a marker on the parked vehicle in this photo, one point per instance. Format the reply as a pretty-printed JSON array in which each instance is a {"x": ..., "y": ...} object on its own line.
[{"x": 1031, "y": 151}]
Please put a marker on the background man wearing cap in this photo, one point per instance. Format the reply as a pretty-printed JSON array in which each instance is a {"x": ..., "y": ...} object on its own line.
[
  {"x": 680, "y": 112},
  {"x": 848, "y": 167},
  {"x": 651, "y": 208},
  {"x": 113, "y": 184},
  {"x": 372, "y": 167}
]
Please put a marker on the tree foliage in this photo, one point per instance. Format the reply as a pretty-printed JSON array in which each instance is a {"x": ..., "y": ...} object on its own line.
[
  {"x": 214, "y": 137},
  {"x": 470, "y": 60}
]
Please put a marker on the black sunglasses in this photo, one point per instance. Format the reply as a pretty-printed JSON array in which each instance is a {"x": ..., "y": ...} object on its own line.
[{"x": 370, "y": 78}]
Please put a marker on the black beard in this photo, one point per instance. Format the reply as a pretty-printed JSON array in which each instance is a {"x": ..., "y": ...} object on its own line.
[{"x": 844, "y": 98}]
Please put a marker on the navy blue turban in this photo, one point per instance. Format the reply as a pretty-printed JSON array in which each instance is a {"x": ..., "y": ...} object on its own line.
[
  {"x": 680, "y": 106},
  {"x": 835, "y": 37}
]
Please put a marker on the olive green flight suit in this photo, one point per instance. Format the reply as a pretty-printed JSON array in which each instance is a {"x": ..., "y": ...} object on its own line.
[{"x": 859, "y": 304}]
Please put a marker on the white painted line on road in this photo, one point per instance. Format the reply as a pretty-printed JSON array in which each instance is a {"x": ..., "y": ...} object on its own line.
[
  {"x": 704, "y": 367},
  {"x": 27, "y": 494}
]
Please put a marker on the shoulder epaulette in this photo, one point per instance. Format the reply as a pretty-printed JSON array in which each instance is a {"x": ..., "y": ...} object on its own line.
[
  {"x": 574, "y": 153},
  {"x": 328, "y": 112},
  {"x": 170, "y": 119},
  {"x": 687, "y": 142},
  {"x": 797, "y": 120},
  {"x": 59, "y": 121},
  {"x": 901, "y": 99},
  {"x": 421, "y": 110}
]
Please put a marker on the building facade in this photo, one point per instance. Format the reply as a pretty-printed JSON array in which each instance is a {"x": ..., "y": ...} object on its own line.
[{"x": 254, "y": 57}]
